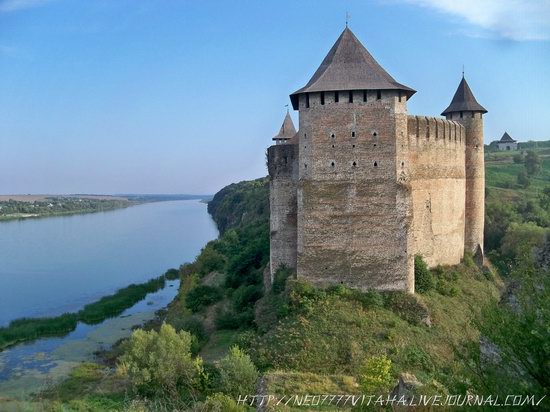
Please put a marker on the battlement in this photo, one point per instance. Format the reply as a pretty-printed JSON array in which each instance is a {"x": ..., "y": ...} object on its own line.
[
  {"x": 435, "y": 130},
  {"x": 358, "y": 97}
]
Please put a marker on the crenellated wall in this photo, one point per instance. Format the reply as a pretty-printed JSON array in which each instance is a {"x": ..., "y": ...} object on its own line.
[
  {"x": 435, "y": 153},
  {"x": 283, "y": 175}
]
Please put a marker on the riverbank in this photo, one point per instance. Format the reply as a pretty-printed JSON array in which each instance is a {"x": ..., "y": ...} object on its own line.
[
  {"x": 28, "y": 207},
  {"x": 27, "y": 329}
]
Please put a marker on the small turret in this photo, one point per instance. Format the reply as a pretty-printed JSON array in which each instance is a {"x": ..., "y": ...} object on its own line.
[
  {"x": 287, "y": 130},
  {"x": 465, "y": 109}
]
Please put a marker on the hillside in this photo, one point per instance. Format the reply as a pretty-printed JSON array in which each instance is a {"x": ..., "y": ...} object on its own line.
[{"x": 304, "y": 340}]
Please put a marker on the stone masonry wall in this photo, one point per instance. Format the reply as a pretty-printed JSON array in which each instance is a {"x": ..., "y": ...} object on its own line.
[
  {"x": 283, "y": 174},
  {"x": 436, "y": 154},
  {"x": 353, "y": 213}
]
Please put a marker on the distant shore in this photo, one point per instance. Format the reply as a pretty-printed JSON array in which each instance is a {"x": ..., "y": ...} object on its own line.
[{"x": 17, "y": 207}]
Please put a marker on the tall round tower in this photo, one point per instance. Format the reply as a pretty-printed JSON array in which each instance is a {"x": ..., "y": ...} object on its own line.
[{"x": 465, "y": 109}]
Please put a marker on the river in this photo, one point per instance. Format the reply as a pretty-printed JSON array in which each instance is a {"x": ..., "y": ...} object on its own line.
[{"x": 54, "y": 265}]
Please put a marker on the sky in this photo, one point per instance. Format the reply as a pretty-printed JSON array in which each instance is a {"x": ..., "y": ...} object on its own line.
[{"x": 168, "y": 96}]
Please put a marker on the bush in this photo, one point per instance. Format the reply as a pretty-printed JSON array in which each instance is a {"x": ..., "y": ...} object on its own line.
[
  {"x": 195, "y": 327},
  {"x": 406, "y": 306},
  {"x": 219, "y": 402},
  {"x": 201, "y": 296},
  {"x": 209, "y": 260},
  {"x": 423, "y": 279},
  {"x": 232, "y": 320},
  {"x": 245, "y": 296},
  {"x": 375, "y": 375},
  {"x": 523, "y": 179},
  {"x": 161, "y": 362},
  {"x": 279, "y": 279},
  {"x": 532, "y": 163},
  {"x": 518, "y": 158},
  {"x": 238, "y": 374}
]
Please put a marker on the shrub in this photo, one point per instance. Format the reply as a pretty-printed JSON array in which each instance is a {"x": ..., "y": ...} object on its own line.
[
  {"x": 406, "y": 306},
  {"x": 232, "y": 320},
  {"x": 201, "y": 296},
  {"x": 210, "y": 260},
  {"x": 172, "y": 274},
  {"x": 423, "y": 279},
  {"x": 161, "y": 362},
  {"x": 219, "y": 402},
  {"x": 245, "y": 296},
  {"x": 518, "y": 158},
  {"x": 523, "y": 179},
  {"x": 279, "y": 279},
  {"x": 371, "y": 298},
  {"x": 532, "y": 163},
  {"x": 195, "y": 327},
  {"x": 238, "y": 374},
  {"x": 375, "y": 375}
]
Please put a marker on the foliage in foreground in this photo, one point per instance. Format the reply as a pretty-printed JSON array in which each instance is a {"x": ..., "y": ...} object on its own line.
[{"x": 161, "y": 362}]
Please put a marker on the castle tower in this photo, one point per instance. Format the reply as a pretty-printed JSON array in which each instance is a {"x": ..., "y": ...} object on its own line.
[
  {"x": 282, "y": 159},
  {"x": 353, "y": 209},
  {"x": 465, "y": 109}
]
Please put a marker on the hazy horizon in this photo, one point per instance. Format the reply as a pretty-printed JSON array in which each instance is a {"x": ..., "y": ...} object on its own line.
[{"x": 135, "y": 96}]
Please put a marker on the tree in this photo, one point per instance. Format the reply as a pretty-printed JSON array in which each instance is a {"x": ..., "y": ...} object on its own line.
[
  {"x": 518, "y": 332},
  {"x": 423, "y": 279},
  {"x": 161, "y": 363},
  {"x": 518, "y": 158},
  {"x": 238, "y": 374},
  {"x": 532, "y": 163},
  {"x": 523, "y": 179}
]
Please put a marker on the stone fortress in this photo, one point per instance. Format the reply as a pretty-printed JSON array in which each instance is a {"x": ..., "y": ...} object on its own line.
[{"x": 363, "y": 186}]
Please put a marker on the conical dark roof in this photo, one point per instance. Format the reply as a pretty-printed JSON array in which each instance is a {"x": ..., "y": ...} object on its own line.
[
  {"x": 349, "y": 66},
  {"x": 287, "y": 129},
  {"x": 464, "y": 100},
  {"x": 506, "y": 138}
]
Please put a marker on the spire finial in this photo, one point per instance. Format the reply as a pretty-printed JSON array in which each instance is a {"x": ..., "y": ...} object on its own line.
[
  {"x": 462, "y": 70},
  {"x": 286, "y": 105},
  {"x": 347, "y": 18}
]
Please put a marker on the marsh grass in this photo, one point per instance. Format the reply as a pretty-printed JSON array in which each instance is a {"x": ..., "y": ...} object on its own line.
[{"x": 26, "y": 329}]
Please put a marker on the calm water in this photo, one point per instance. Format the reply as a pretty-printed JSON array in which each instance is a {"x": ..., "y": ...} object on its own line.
[{"x": 53, "y": 265}]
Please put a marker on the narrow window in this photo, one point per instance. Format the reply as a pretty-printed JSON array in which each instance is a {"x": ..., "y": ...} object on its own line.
[
  {"x": 354, "y": 164},
  {"x": 305, "y": 165},
  {"x": 399, "y": 96},
  {"x": 336, "y": 97},
  {"x": 332, "y": 164},
  {"x": 305, "y": 135},
  {"x": 461, "y": 114},
  {"x": 375, "y": 164},
  {"x": 374, "y": 134},
  {"x": 402, "y": 164},
  {"x": 333, "y": 146},
  {"x": 322, "y": 97},
  {"x": 332, "y": 135},
  {"x": 307, "y": 100},
  {"x": 378, "y": 94},
  {"x": 473, "y": 115},
  {"x": 364, "y": 95},
  {"x": 352, "y": 134},
  {"x": 375, "y": 145},
  {"x": 353, "y": 146},
  {"x": 351, "y": 96},
  {"x": 286, "y": 160}
]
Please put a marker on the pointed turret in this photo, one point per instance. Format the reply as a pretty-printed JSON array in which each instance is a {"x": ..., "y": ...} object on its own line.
[
  {"x": 287, "y": 130},
  {"x": 349, "y": 66},
  {"x": 464, "y": 100},
  {"x": 465, "y": 110},
  {"x": 506, "y": 138}
]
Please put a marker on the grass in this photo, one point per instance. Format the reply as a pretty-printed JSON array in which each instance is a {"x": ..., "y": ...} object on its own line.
[
  {"x": 333, "y": 334},
  {"x": 26, "y": 329}
]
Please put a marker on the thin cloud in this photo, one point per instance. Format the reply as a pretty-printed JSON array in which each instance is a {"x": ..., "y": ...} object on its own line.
[
  {"x": 509, "y": 19},
  {"x": 7, "y": 6}
]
